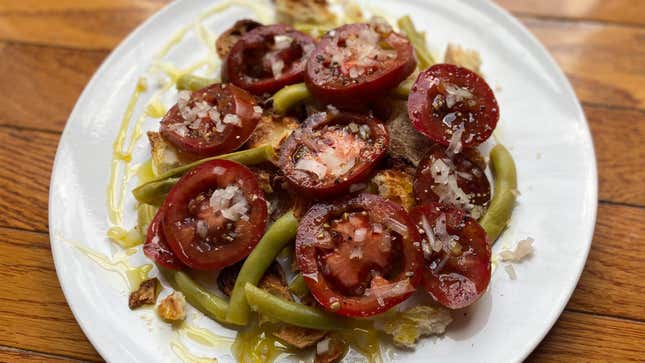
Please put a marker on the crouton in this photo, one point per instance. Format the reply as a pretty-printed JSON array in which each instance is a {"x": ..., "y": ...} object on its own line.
[
  {"x": 396, "y": 186},
  {"x": 226, "y": 278},
  {"x": 332, "y": 349},
  {"x": 466, "y": 58},
  {"x": 298, "y": 337},
  {"x": 228, "y": 38},
  {"x": 173, "y": 307},
  {"x": 304, "y": 11},
  {"x": 272, "y": 130},
  {"x": 405, "y": 142},
  {"x": 164, "y": 155},
  {"x": 146, "y": 294}
]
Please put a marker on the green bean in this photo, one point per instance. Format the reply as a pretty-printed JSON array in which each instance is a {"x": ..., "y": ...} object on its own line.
[
  {"x": 201, "y": 299},
  {"x": 501, "y": 206},
  {"x": 145, "y": 214},
  {"x": 291, "y": 312},
  {"x": 418, "y": 40},
  {"x": 298, "y": 286},
  {"x": 289, "y": 96},
  {"x": 154, "y": 191},
  {"x": 276, "y": 237},
  {"x": 193, "y": 83},
  {"x": 402, "y": 91}
]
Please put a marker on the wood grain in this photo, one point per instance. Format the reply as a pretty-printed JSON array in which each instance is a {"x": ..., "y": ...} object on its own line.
[
  {"x": 8, "y": 354},
  {"x": 77, "y": 24},
  {"x": 612, "y": 281},
  {"x": 616, "y": 11},
  {"x": 39, "y": 85},
  {"x": 605, "y": 63},
  {"x": 27, "y": 157},
  {"x": 618, "y": 139},
  {"x": 33, "y": 310},
  {"x": 580, "y": 337}
]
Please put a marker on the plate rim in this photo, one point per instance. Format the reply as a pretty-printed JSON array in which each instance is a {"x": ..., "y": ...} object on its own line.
[{"x": 488, "y": 6}]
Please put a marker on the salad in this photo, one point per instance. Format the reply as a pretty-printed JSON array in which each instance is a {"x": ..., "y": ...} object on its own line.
[{"x": 333, "y": 172}]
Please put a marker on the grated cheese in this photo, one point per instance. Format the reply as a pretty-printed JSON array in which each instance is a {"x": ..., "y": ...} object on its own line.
[
  {"x": 510, "y": 270},
  {"x": 448, "y": 189},
  {"x": 522, "y": 249},
  {"x": 323, "y": 346},
  {"x": 312, "y": 166},
  {"x": 277, "y": 67},
  {"x": 230, "y": 202}
]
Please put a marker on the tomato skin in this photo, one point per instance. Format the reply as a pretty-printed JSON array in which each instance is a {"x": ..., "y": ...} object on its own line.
[
  {"x": 229, "y": 99},
  {"x": 369, "y": 155},
  {"x": 380, "y": 210},
  {"x": 156, "y": 247},
  {"x": 431, "y": 118},
  {"x": 456, "y": 281},
  {"x": 469, "y": 161},
  {"x": 332, "y": 87},
  {"x": 252, "y": 48},
  {"x": 180, "y": 221}
]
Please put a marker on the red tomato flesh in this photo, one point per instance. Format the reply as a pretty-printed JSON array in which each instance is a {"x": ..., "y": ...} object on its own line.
[
  {"x": 156, "y": 247},
  {"x": 331, "y": 151},
  {"x": 438, "y": 172},
  {"x": 215, "y": 215},
  {"x": 358, "y": 256},
  {"x": 456, "y": 258},
  {"x": 358, "y": 63},
  {"x": 211, "y": 121},
  {"x": 449, "y": 103},
  {"x": 268, "y": 58}
]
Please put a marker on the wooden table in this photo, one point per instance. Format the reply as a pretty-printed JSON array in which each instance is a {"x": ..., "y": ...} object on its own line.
[{"x": 49, "y": 49}]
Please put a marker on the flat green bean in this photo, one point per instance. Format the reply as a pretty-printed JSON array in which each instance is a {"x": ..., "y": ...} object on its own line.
[
  {"x": 501, "y": 206},
  {"x": 276, "y": 237},
  {"x": 154, "y": 191},
  {"x": 193, "y": 83},
  {"x": 298, "y": 286},
  {"x": 289, "y": 96},
  {"x": 402, "y": 91},
  {"x": 211, "y": 305},
  {"x": 418, "y": 40},
  {"x": 291, "y": 312},
  {"x": 145, "y": 214}
]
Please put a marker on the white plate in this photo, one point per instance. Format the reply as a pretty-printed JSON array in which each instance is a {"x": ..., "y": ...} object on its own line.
[{"x": 541, "y": 122}]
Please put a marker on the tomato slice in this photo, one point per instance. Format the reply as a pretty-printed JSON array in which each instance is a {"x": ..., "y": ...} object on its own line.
[
  {"x": 211, "y": 121},
  {"x": 215, "y": 215},
  {"x": 268, "y": 58},
  {"x": 358, "y": 62},
  {"x": 458, "y": 180},
  {"x": 358, "y": 256},
  {"x": 331, "y": 151},
  {"x": 156, "y": 247},
  {"x": 457, "y": 256},
  {"x": 449, "y": 103}
]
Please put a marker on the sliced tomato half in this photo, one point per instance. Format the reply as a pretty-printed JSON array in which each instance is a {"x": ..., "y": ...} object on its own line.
[
  {"x": 451, "y": 104},
  {"x": 268, "y": 58},
  {"x": 358, "y": 256},
  {"x": 156, "y": 247},
  {"x": 211, "y": 121},
  {"x": 456, "y": 179},
  {"x": 215, "y": 215},
  {"x": 331, "y": 151},
  {"x": 456, "y": 255},
  {"x": 357, "y": 63}
]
